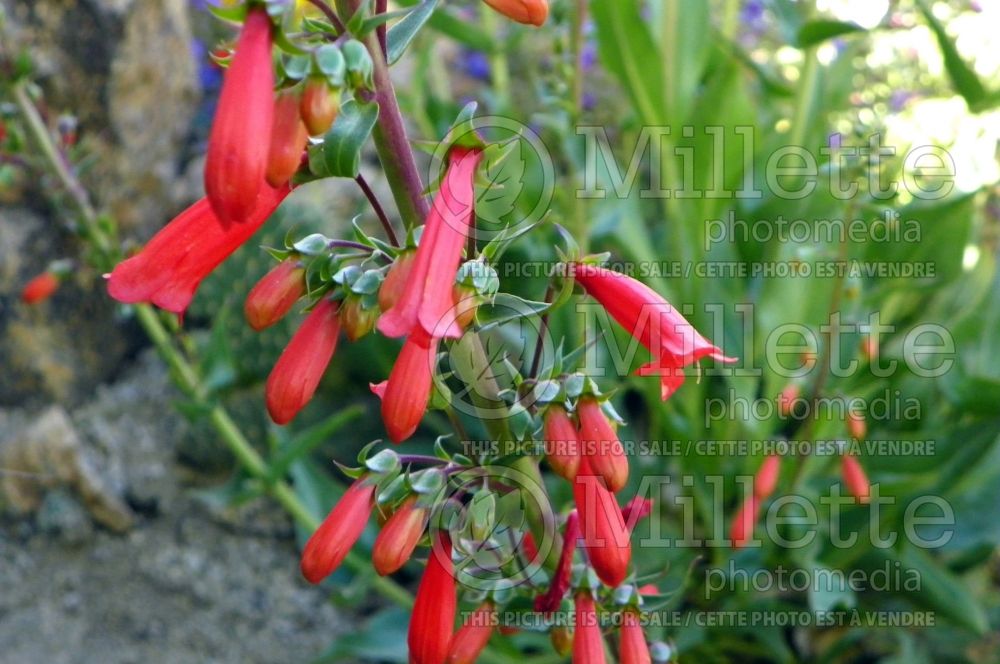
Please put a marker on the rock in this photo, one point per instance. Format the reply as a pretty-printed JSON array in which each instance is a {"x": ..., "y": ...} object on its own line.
[
  {"x": 125, "y": 68},
  {"x": 48, "y": 454},
  {"x": 63, "y": 516}
]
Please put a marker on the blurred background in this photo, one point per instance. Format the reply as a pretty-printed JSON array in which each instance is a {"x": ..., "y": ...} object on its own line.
[{"x": 128, "y": 533}]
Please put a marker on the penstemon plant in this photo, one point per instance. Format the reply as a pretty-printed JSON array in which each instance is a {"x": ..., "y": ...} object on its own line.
[{"x": 494, "y": 537}]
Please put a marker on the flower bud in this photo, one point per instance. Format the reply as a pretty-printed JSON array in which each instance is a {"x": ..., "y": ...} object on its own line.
[
  {"x": 600, "y": 445},
  {"x": 331, "y": 542},
  {"x": 563, "y": 574},
  {"x": 399, "y": 537},
  {"x": 605, "y": 535},
  {"x": 395, "y": 281},
  {"x": 529, "y": 12},
  {"x": 236, "y": 160},
  {"x": 297, "y": 373},
  {"x": 356, "y": 319},
  {"x": 855, "y": 478},
  {"x": 434, "y": 609},
  {"x": 274, "y": 295},
  {"x": 766, "y": 479},
  {"x": 632, "y": 647},
  {"x": 40, "y": 288},
  {"x": 787, "y": 398},
  {"x": 466, "y": 303},
  {"x": 588, "y": 645},
  {"x": 407, "y": 392},
  {"x": 856, "y": 425},
  {"x": 562, "y": 449},
  {"x": 288, "y": 140},
  {"x": 473, "y": 636},
  {"x": 319, "y": 106},
  {"x": 635, "y": 510},
  {"x": 869, "y": 348},
  {"x": 741, "y": 530},
  {"x": 561, "y": 637}
]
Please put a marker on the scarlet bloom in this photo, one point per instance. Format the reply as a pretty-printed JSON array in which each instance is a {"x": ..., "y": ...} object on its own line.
[
  {"x": 237, "y": 147},
  {"x": 855, "y": 478},
  {"x": 605, "y": 535},
  {"x": 319, "y": 107},
  {"x": 274, "y": 295},
  {"x": 173, "y": 263},
  {"x": 473, "y": 636},
  {"x": 635, "y": 510},
  {"x": 396, "y": 280},
  {"x": 561, "y": 446},
  {"x": 588, "y": 645},
  {"x": 787, "y": 398},
  {"x": 434, "y": 608},
  {"x": 288, "y": 140},
  {"x": 297, "y": 372},
  {"x": 632, "y": 647},
  {"x": 529, "y": 12},
  {"x": 399, "y": 537},
  {"x": 741, "y": 530},
  {"x": 331, "y": 542},
  {"x": 673, "y": 342},
  {"x": 407, "y": 392},
  {"x": 600, "y": 445},
  {"x": 766, "y": 479},
  {"x": 529, "y": 548},
  {"x": 40, "y": 288},
  {"x": 427, "y": 300}
]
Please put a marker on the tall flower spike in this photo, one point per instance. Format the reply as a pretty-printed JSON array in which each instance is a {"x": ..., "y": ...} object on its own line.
[
  {"x": 658, "y": 326},
  {"x": 297, "y": 373},
  {"x": 406, "y": 393},
  {"x": 473, "y": 636},
  {"x": 399, "y": 537},
  {"x": 562, "y": 448},
  {"x": 433, "y": 616},
  {"x": 237, "y": 155},
  {"x": 529, "y": 12},
  {"x": 173, "y": 263},
  {"x": 633, "y": 648},
  {"x": 588, "y": 645},
  {"x": 332, "y": 541},
  {"x": 605, "y": 535},
  {"x": 600, "y": 445},
  {"x": 427, "y": 299}
]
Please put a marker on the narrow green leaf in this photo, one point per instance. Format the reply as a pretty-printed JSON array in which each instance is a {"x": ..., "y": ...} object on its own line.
[
  {"x": 401, "y": 34},
  {"x": 817, "y": 32},
  {"x": 341, "y": 148},
  {"x": 962, "y": 76}
]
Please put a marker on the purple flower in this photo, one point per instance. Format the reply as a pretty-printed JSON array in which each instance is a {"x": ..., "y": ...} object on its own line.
[{"x": 477, "y": 65}]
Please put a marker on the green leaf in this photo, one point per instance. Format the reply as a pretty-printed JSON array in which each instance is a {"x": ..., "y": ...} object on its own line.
[
  {"x": 816, "y": 32},
  {"x": 340, "y": 153},
  {"x": 503, "y": 171},
  {"x": 400, "y": 35},
  {"x": 962, "y": 76},
  {"x": 306, "y": 441}
]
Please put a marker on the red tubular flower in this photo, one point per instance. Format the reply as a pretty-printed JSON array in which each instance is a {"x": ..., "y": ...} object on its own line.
[
  {"x": 407, "y": 392},
  {"x": 237, "y": 146},
  {"x": 605, "y": 535},
  {"x": 855, "y": 478},
  {"x": 529, "y": 548},
  {"x": 588, "y": 645},
  {"x": 297, "y": 372},
  {"x": 40, "y": 288},
  {"x": 396, "y": 280},
  {"x": 427, "y": 299},
  {"x": 173, "y": 263},
  {"x": 331, "y": 542},
  {"x": 399, "y": 537},
  {"x": 274, "y": 295},
  {"x": 599, "y": 444},
  {"x": 635, "y": 510},
  {"x": 766, "y": 479},
  {"x": 787, "y": 398},
  {"x": 562, "y": 577},
  {"x": 741, "y": 530},
  {"x": 472, "y": 638},
  {"x": 659, "y": 327},
  {"x": 632, "y": 648},
  {"x": 319, "y": 107},
  {"x": 529, "y": 12},
  {"x": 562, "y": 448},
  {"x": 433, "y": 615},
  {"x": 288, "y": 139}
]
